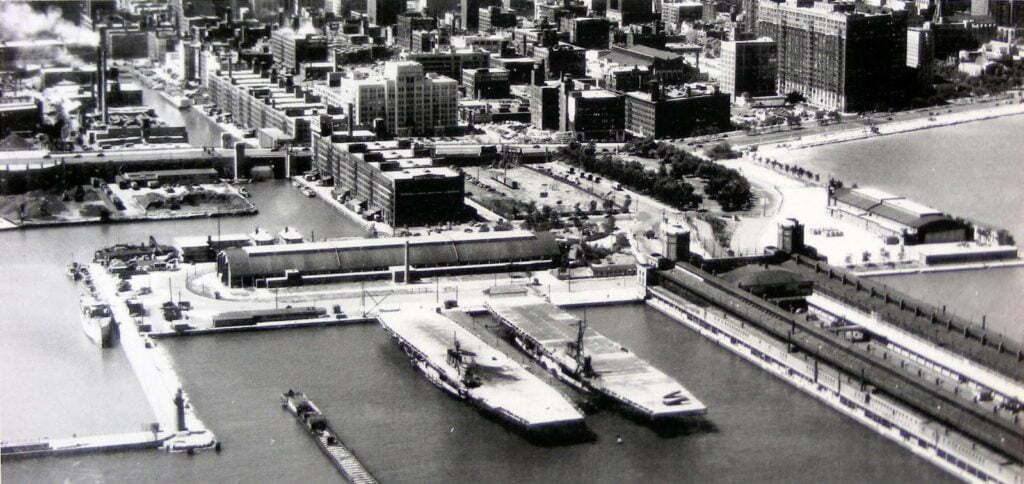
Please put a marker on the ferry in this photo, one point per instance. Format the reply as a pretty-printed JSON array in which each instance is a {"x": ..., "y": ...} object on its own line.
[{"x": 98, "y": 321}]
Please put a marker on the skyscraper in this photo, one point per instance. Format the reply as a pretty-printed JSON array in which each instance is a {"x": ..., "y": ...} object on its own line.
[{"x": 384, "y": 12}]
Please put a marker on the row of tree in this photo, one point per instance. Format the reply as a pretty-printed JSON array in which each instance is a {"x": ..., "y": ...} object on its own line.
[{"x": 725, "y": 185}]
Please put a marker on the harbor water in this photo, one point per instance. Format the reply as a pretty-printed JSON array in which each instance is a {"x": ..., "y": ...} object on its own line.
[
  {"x": 972, "y": 170},
  {"x": 402, "y": 428},
  {"x": 406, "y": 430}
]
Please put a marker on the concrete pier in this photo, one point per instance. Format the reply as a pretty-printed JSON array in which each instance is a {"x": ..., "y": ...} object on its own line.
[
  {"x": 80, "y": 445},
  {"x": 155, "y": 373}
]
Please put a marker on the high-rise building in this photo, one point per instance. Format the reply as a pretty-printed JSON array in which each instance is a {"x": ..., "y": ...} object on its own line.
[
  {"x": 486, "y": 83},
  {"x": 494, "y": 18},
  {"x": 625, "y": 12},
  {"x": 419, "y": 103},
  {"x": 408, "y": 23},
  {"x": 562, "y": 59},
  {"x": 835, "y": 57},
  {"x": 384, "y": 12},
  {"x": 469, "y": 10},
  {"x": 673, "y": 14},
  {"x": 1006, "y": 13},
  {"x": 291, "y": 48},
  {"x": 588, "y": 32},
  {"x": 748, "y": 66}
]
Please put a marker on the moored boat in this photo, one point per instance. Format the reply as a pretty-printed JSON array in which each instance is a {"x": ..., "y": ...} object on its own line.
[{"x": 98, "y": 321}]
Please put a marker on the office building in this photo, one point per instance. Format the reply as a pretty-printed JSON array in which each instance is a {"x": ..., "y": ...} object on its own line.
[
  {"x": 626, "y": 12},
  {"x": 291, "y": 49},
  {"x": 409, "y": 22},
  {"x": 384, "y": 12},
  {"x": 496, "y": 18},
  {"x": 419, "y": 103},
  {"x": 469, "y": 11},
  {"x": 562, "y": 59},
  {"x": 450, "y": 63},
  {"x": 588, "y": 32}
]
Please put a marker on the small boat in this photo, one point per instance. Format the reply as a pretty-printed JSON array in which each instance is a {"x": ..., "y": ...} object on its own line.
[
  {"x": 75, "y": 271},
  {"x": 98, "y": 322}
]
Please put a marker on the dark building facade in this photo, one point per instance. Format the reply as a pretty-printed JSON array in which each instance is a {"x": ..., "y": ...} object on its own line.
[
  {"x": 487, "y": 83},
  {"x": 562, "y": 59},
  {"x": 627, "y": 12},
  {"x": 593, "y": 114},
  {"x": 384, "y": 12},
  {"x": 469, "y": 10},
  {"x": 588, "y": 32},
  {"x": 496, "y": 18},
  {"x": 837, "y": 58},
  {"x": 409, "y": 22},
  {"x": 544, "y": 106},
  {"x": 677, "y": 113}
]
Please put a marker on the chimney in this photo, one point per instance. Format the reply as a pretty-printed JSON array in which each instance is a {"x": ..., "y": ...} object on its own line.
[
  {"x": 351, "y": 120},
  {"x": 101, "y": 68},
  {"x": 655, "y": 90}
]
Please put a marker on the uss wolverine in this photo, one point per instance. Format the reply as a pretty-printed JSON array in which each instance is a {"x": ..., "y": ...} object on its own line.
[
  {"x": 588, "y": 360},
  {"x": 459, "y": 363}
]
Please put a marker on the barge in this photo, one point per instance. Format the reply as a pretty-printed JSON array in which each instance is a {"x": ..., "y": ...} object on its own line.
[
  {"x": 462, "y": 365},
  {"x": 316, "y": 425},
  {"x": 586, "y": 359}
]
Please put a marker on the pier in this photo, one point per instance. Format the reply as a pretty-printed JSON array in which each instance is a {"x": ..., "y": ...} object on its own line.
[
  {"x": 81, "y": 445},
  {"x": 870, "y": 366}
]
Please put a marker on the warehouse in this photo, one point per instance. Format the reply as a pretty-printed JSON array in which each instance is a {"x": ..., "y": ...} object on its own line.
[{"x": 396, "y": 258}]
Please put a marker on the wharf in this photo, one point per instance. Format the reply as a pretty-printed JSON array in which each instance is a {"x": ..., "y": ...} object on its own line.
[
  {"x": 550, "y": 335},
  {"x": 155, "y": 372},
  {"x": 505, "y": 388},
  {"x": 874, "y": 367},
  {"x": 80, "y": 445},
  {"x": 302, "y": 323},
  {"x": 844, "y": 392},
  {"x": 324, "y": 193}
]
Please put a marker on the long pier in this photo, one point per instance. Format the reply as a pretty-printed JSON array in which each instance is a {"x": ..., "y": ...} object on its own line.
[
  {"x": 872, "y": 367},
  {"x": 81, "y": 445},
  {"x": 846, "y": 393}
]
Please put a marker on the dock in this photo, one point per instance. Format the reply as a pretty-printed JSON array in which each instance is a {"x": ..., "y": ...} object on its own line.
[
  {"x": 587, "y": 359},
  {"x": 80, "y": 445},
  {"x": 457, "y": 361},
  {"x": 316, "y": 425}
]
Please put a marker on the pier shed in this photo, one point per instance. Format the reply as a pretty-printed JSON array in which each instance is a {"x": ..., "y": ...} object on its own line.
[
  {"x": 890, "y": 215},
  {"x": 400, "y": 258}
]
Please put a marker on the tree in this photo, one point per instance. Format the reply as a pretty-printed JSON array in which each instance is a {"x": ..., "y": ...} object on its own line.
[{"x": 795, "y": 98}]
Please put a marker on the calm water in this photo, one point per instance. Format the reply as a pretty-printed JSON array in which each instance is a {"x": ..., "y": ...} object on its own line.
[
  {"x": 55, "y": 381},
  {"x": 972, "y": 170},
  {"x": 400, "y": 424}
]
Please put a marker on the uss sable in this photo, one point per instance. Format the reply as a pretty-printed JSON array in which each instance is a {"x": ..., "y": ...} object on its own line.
[
  {"x": 459, "y": 363},
  {"x": 588, "y": 360}
]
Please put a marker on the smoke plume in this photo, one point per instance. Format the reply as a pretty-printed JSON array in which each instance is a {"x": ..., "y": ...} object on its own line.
[{"x": 19, "y": 21}]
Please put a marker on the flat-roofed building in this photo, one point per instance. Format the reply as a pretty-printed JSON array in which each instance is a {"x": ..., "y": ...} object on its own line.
[
  {"x": 391, "y": 181},
  {"x": 258, "y": 100},
  {"x": 486, "y": 83},
  {"x": 676, "y": 113},
  {"x": 419, "y": 103},
  {"x": 291, "y": 48},
  {"x": 891, "y": 215},
  {"x": 562, "y": 59},
  {"x": 748, "y": 66},
  {"x": 837, "y": 57},
  {"x": 594, "y": 114},
  {"x": 450, "y": 63},
  {"x": 496, "y": 18}
]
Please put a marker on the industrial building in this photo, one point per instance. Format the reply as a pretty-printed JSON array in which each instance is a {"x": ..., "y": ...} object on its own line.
[
  {"x": 291, "y": 49},
  {"x": 894, "y": 216},
  {"x": 260, "y": 100},
  {"x": 396, "y": 258},
  {"x": 676, "y": 113},
  {"x": 390, "y": 181},
  {"x": 838, "y": 58}
]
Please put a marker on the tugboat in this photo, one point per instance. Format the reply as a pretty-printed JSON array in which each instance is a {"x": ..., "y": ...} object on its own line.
[{"x": 98, "y": 321}]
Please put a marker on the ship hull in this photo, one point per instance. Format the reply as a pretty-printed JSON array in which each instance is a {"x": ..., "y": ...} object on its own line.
[{"x": 99, "y": 330}]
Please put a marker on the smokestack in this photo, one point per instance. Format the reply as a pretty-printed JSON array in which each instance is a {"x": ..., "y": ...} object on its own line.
[
  {"x": 351, "y": 121},
  {"x": 101, "y": 67}
]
